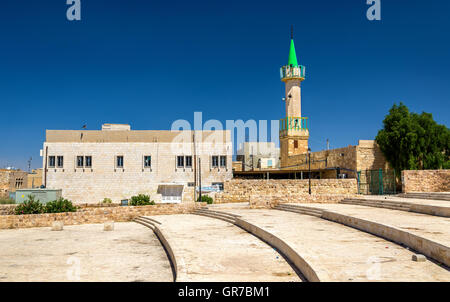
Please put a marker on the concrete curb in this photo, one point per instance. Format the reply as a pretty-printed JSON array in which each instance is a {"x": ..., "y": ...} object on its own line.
[
  {"x": 179, "y": 267},
  {"x": 425, "y": 246},
  {"x": 300, "y": 263},
  {"x": 400, "y": 206}
]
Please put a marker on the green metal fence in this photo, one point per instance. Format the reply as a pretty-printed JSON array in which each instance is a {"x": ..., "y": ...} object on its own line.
[{"x": 376, "y": 182}]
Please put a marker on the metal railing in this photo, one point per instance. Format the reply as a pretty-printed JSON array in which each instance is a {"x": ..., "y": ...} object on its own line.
[
  {"x": 294, "y": 123},
  {"x": 289, "y": 71}
]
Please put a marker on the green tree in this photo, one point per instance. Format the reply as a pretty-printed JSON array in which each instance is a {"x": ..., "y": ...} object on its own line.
[{"x": 412, "y": 141}]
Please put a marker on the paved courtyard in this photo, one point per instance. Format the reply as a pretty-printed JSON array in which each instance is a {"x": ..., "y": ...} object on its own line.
[{"x": 83, "y": 253}]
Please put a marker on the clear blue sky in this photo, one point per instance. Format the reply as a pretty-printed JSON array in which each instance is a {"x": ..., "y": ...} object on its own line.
[{"x": 148, "y": 63}]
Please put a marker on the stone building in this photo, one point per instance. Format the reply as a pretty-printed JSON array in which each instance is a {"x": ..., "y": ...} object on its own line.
[
  {"x": 258, "y": 156},
  {"x": 117, "y": 163},
  {"x": 11, "y": 180},
  {"x": 342, "y": 162},
  {"x": 34, "y": 179}
]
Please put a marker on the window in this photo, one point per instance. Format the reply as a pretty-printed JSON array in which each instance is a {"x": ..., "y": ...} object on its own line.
[
  {"x": 60, "y": 161},
  {"x": 88, "y": 161},
  {"x": 180, "y": 161},
  {"x": 51, "y": 161},
  {"x": 147, "y": 161},
  {"x": 223, "y": 161},
  {"x": 295, "y": 144},
  {"x": 188, "y": 160},
  {"x": 119, "y": 161},
  {"x": 19, "y": 183},
  {"x": 214, "y": 161},
  {"x": 80, "y": 161}
]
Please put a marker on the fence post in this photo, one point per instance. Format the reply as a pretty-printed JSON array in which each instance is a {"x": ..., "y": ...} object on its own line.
[{"x": 381, "y": 181}]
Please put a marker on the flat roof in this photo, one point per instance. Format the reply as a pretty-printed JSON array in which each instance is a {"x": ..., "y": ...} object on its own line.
[{"x": 142, "y": 136}]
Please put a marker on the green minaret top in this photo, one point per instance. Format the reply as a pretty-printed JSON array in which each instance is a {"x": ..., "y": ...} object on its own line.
[{"x": 292, "y": 54}]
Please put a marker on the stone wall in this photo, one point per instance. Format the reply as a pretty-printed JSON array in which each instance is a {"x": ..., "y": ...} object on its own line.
[
  {"x": 89, "y": 215},
  {"x": 291, "y": 190},
  {"x": 258, "y": 201},
  {"x": 10, "y": 180},
  {"x": 425, "y": 181}
]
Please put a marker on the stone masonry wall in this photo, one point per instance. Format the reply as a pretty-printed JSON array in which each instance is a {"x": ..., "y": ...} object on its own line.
[
  {"x": 95, "y": 215},
  {"x": 291, "y": 190},
  {"x": 425, "y": 181}
]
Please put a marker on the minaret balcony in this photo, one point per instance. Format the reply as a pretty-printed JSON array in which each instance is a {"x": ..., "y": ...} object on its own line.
[
  {"x": 290, "y": 72},
  {"x": 294, "y": 126}
]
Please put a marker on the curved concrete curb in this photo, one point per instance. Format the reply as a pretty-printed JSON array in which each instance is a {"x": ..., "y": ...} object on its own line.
[
  {"x": 178, "y": 264},
  {"x": 400, "y": 206},
  {"x": 300, "y": 263},
  {"x": 179, "y": 267},
  {"x": 425, "y": 246}
]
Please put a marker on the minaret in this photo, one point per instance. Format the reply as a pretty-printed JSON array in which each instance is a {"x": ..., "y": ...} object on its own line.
[{"x": 294, "y": 132}]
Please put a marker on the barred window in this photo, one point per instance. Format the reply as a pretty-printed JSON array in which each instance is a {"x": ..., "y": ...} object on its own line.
[
  {"x": 214, "y": 161},
  {"x": 147, "y": 161},
  {"x": 119, "y": 161},
  {"x": 51, "y": 161},
  {"x": 180, "y": 161},
  {"x": 80, "y": 161},
  {"x": 88, "y": 161},
  {"x": 188, "y": 160},
  {"x": 223, "y": 161},
  {"x": 60, "y": 161}
]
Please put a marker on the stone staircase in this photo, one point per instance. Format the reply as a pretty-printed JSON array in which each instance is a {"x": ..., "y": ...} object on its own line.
[
  {"x": 379, "y": 203},
  {"x": 231, "y": 218},
  {"x": 435, "y": 196},
  {"x": 299, "y": 209}
]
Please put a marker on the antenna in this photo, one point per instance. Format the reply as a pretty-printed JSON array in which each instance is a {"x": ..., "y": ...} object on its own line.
[{"x": 29, "y": 164}]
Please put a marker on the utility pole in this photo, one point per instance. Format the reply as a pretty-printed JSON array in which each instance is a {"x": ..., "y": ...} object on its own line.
[
  {"x": 29, "y": 164},
  {"x": 200, "y": 179},
  {"x": 195, "y": 168},
  {"x": 309, "y": 160},
  {"x": 328, "y": 144}
]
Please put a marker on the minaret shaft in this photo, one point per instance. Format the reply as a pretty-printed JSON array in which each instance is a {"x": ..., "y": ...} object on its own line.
[{"x": 294, "y": 133}]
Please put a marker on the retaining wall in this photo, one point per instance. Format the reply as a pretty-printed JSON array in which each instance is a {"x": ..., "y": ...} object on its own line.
[
  {"x": 95, "y": 215},
  {"x": 425, "y": 181}
]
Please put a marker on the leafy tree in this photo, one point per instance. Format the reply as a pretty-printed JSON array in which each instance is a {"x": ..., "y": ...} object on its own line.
[{"x": 412, "y": 141}]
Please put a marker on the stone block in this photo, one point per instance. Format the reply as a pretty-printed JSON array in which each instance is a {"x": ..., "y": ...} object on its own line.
[
  {"x": 108, "y": 226},
  {"x": 419, "y": 258},
  {"x": 57, "y": 226}
]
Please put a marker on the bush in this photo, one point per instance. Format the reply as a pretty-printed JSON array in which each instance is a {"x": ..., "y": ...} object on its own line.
[
  {"x": 205, "y": 198},
  {"x": 106, "y": 200},
  {"x": 7, "y": 200},
  {"x": 30, "y": 206},
  {"x": 60, "y": 206},
  {"x": 141, "y": 200}
]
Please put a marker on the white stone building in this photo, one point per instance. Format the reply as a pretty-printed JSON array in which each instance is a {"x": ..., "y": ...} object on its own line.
[
  {"x": 117, "y": 163},
  {"x": 258, "y": 156}
]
